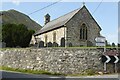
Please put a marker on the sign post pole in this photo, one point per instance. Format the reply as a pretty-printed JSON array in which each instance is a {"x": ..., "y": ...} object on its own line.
[
  {"x": 100, "y": 41},
  {"x": 104, "y": 46},
  {"x": 105, "y": 68},
  {"x": 110, "y": 59},
  {"x": 115, "y": 62},
  {"x": 105, "y": 64},
  {"x": 115, "y": 68}
]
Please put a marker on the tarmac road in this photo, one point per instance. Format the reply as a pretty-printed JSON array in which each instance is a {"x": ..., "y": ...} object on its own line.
[{"x": 9, "y": 75}]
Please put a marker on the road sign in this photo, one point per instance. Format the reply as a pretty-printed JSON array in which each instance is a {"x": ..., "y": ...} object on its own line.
[
  {"x": 117, "y": 59},
  {"x": 100, "y": 41},
  {"x": 110, "y": 59}
]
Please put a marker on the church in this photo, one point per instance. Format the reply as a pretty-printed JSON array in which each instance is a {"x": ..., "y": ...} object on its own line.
[{"x": 74, "y": 29}]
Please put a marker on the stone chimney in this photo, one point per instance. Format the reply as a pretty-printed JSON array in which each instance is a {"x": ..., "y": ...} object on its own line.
[{"x": 47, "y": 18}]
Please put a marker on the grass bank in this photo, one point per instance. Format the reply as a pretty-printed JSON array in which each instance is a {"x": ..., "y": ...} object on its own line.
[
  {"x": 29, "y": 71},
  {"x": 86, "y": 73}
]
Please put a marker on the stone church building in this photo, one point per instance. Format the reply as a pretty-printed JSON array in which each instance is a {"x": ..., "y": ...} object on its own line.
[{"x": 77, "y": 28}]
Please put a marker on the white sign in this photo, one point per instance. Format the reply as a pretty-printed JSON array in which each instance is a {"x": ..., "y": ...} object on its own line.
[
  {"x": 100, "y": 41},
  {"x": 117, "y": 59},
  {"x": 108, "y": 59},
  {"x": 100, "y": 44}
]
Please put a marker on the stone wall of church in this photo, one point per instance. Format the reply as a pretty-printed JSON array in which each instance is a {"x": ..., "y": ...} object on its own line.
[
  {"x": 59, "y": 60},
  {"x": 74, "y": 25},
  {"x": 60, "y": 33}
]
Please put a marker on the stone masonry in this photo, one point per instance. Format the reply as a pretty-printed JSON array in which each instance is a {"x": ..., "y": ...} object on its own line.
[
  {"x": 59, "y": 60},
  {"x": 74, "y": 25},
  {"x": 70, "y": 28}
]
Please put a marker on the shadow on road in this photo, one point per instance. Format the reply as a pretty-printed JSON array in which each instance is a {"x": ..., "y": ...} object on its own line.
[{"x": 5, "y": 75}]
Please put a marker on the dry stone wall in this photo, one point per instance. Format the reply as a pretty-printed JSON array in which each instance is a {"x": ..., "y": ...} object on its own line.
[{"x": 59, "y": 60}]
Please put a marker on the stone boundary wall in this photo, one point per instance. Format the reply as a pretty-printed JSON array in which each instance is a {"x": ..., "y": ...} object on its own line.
[{"x": 59, "y": 60}]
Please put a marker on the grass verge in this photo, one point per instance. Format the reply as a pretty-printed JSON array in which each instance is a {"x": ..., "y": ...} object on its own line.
[
  {"x": 29, "y": 71},
  {"x": 86, "y": 73},
  {"x": 83, "y": 47}
]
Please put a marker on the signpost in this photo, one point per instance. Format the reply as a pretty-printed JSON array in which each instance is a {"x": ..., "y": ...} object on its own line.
[
  {"x": 100, "y": 41},
  {"x": 110, "y": 59},
  {"x": 117, "y": 59}
]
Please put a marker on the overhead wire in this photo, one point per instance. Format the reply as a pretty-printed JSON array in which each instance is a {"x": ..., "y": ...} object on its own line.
[
  {"x": 97, "y": 7},
  {"x": 58, "y": 2},
  {"x": 44, "y": 7}
]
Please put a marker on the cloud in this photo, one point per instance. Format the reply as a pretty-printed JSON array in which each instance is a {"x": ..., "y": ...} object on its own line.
[{"x": 16, "y": 2}]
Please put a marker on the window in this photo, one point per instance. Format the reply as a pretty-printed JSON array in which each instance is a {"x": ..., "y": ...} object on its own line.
[
  {"x": 45, "y": 39},
  {"x": 54, "y": 36},
  {"x": 83, "y": 32},
  {"x": 86, "y": 34}
]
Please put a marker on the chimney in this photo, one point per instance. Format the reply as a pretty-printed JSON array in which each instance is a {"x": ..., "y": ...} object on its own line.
[{"x": 47, "y": 18}]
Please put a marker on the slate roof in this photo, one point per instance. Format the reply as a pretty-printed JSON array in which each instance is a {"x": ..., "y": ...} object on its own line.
[{"x": 59, "y": 22}]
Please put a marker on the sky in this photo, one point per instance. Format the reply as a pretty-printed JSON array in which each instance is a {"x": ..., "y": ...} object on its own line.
[
  {"x": 119, "y": 22},
  {"x": 106, "y": 14}
]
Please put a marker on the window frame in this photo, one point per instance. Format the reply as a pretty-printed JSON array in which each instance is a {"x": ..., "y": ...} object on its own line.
[
  {"x": 46, "y": 37},
  {"x": 83, "y": 32},
  {"x": 54, "y": 36}
]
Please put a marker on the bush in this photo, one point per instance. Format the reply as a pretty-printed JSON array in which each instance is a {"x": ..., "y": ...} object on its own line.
[
  {"x": 90, "y": 72},
  {"x": 16, "y": 35}
]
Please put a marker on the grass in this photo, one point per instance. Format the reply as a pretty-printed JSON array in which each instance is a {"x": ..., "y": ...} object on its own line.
[
  {"x": 88, "y": 72},
  {"x": 86, "y": 47},
  {"x": 94, "y": 47},
  {"x": 29, "y": 71}
]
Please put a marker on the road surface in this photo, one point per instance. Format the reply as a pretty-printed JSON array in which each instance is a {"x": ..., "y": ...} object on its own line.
[{"x": 9, "y": 75}]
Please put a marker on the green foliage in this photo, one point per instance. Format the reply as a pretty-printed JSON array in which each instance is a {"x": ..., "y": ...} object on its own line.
[
  {"x": 118, "y": 45},
  {"x": 90, "y": 72},
  {"x": 28, "y": 71},
  {"x": 107, "y": 44},
  {"x": 16, "y": 35},
  {"x": 113, "y": 44}
]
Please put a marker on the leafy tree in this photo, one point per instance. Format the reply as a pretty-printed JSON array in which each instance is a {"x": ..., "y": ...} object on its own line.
[
  {"x": 107, "y": 44},
  {"x": 118, "y": 44},
  {"x": 113, "y": 44},
  {"x": 16, "y": 35}
]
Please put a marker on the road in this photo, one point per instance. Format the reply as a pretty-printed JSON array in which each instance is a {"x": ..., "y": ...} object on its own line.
[{"x": 9, "y": 75}]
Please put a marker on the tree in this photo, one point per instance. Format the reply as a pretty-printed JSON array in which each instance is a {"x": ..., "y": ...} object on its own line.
[
  {"x": 113, "y": 44},
  {"x": 16, "y": 35},
  {"x": 118, "y": 44},
  {"x": 107, "y": 44}
]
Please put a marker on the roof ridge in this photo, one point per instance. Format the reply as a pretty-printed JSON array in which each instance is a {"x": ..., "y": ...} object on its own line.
[
  {"x": 65, "y": 18},
  {"x": 64, "y": 15},
  {"x": 74, "y": 14}
]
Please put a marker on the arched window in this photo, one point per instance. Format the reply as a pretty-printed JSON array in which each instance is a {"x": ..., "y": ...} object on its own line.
[
  {"x": 62, "y": 42},
  {"x": 45, "y": 40},
  {"x": 86, "y": 34},
  {"x": 83, "y": 32},
  {"x": 54, "y": 36}
]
